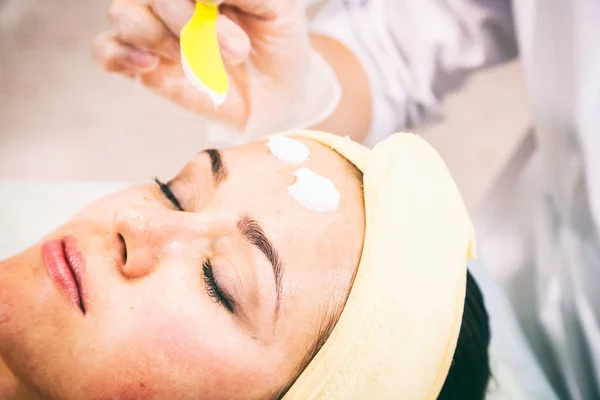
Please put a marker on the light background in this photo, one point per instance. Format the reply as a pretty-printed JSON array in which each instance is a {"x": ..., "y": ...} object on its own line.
[{"x": 62, "y": 118}]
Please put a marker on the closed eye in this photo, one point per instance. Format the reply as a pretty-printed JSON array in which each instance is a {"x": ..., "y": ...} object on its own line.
[
  {"x": 168, "y": 193},
  {"x": 214, "y": 290},
  {"x": 212, "y": 287}
]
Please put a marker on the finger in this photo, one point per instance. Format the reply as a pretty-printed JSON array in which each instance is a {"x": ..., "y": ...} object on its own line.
[
  {"x": 233, "y": 41},
  {"x": 169, "y": 81},
  {"x": 136, "y": 24},
  {"x": 259, "y": 8},
  {"x": 174, "y": 13},
  {"x": 115, "y": 56}
]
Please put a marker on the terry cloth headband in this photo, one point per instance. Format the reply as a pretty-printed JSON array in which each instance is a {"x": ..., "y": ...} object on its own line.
[{"x": 396, "y": 337}]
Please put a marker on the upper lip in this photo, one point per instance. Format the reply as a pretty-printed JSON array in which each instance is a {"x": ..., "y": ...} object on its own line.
[{"x": 65, "y": 265}]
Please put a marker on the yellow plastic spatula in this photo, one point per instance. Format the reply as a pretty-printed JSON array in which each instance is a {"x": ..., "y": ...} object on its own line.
[{"x": 200, "y": 55}]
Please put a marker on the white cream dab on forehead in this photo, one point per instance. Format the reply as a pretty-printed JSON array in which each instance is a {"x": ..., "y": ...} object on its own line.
[
  {"x": 288, "y": 149},
  {"x": 314, "y": 191}
]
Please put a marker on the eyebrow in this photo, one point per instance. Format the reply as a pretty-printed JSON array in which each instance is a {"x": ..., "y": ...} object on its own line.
[
  {"x": 254, "y": 233},
  {"x": 219, "y": 169}
]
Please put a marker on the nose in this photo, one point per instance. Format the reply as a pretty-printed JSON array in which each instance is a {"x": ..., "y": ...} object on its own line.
[{"x": 151, "y": 236}]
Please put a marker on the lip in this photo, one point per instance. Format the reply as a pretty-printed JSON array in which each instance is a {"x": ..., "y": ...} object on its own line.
[{"x": 65, "y": 265}]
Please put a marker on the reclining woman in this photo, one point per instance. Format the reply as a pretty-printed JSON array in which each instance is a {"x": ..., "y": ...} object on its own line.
[{"x": 302, "y": 266}]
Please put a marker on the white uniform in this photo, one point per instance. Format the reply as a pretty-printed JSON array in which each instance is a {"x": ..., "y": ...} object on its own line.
[{"x": 541, "y": 242}]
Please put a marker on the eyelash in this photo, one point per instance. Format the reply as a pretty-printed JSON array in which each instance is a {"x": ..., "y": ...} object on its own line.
[
  {"x": 214, "y": 291},
  {"x": 168, "y": 193}
]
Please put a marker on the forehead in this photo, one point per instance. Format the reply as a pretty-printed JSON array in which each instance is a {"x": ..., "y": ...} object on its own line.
[
  {"x": 320, "y": 250},
  {"x": 265, "y": 181}
]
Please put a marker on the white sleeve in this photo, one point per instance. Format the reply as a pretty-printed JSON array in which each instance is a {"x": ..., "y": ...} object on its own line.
[{"x": 416, "y": 51}]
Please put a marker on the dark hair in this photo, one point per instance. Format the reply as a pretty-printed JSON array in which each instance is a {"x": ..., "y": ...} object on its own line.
[{"x": 470, "y": 370}]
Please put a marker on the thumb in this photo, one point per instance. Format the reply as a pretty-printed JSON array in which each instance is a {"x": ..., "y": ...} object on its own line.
[{"x": 233, "y": 41}]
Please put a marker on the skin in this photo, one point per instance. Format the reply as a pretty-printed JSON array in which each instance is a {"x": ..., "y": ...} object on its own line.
[{"x": 151, "y": 330}]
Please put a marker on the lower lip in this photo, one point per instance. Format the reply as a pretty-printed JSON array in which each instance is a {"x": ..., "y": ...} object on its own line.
[{"x": 64, "y": 264}]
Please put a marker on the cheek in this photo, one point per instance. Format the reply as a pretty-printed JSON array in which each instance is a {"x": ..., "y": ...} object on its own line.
[
  {"x": 166, "y": 349},
  {"x": 203, "y": 354},
  {"x": 149, "y": 356},
  {"x": 178, "y": 342}
]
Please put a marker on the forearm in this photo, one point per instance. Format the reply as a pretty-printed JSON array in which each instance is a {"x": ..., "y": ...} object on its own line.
[{"x": 352, "y": 116}]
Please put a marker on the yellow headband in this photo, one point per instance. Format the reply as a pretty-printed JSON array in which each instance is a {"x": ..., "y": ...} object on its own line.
[{"x": 396, "y": 336}]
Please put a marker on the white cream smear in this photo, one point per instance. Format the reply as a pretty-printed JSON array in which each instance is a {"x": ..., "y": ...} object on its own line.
[
  {"x": 314, "y": 191},
  {"x": 288, "y": 149},
  {"x": 217, "y": 98}
]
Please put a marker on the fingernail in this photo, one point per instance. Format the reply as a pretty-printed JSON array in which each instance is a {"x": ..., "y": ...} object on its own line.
[
  {"x": 141, "y": 59},
  {"x": 234, "y": 50},
  {"x": 237, "y": 44}
]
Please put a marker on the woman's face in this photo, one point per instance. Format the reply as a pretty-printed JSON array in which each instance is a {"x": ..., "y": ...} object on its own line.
[{"x": 219, "y": 301}]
